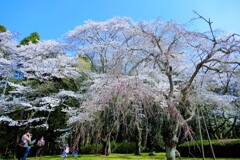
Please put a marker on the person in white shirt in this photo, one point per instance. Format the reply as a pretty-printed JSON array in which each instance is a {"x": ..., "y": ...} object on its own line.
[{"x": 26, "y": 139}]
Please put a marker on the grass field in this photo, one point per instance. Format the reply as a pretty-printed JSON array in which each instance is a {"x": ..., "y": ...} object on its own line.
[{"x": 144, "y": 156}]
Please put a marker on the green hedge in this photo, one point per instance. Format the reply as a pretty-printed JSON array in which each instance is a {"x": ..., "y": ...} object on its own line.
[
  {"x": 124, "y": 147},
  {"x": 225, "y": 148},
  {"x": 91, "y": 149}
]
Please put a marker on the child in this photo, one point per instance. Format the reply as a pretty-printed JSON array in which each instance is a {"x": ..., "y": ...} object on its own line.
[
  {"x": 65, "y": 152},
  {"x": 75, "y": 152}
]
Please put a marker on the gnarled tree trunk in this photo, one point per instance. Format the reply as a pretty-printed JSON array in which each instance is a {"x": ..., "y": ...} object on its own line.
[
  {"x": 138, "y": 134},
  {"x": 106, "y": 150},
  {"x": 171, "y": 150}
]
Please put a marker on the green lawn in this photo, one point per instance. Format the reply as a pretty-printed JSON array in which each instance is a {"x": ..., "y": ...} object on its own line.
[{"x": 144, "y": 156}]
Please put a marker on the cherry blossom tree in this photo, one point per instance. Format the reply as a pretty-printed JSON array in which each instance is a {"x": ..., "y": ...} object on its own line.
[
  {"x": 166, "y": 56},
  {"x": 41, "y": 65}
]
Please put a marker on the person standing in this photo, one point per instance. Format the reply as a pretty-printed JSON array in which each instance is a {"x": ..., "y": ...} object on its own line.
[
  {"x": 75, "y": 152},
  {"x": 26, "y": 141},
  {"x": 65, "y": 152},
  {"x": 40, "y": 146}
]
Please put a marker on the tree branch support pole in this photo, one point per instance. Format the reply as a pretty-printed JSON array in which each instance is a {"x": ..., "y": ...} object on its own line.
[
  {"x": 200, "y": 132},
  {"x": 209, "y": 139}
]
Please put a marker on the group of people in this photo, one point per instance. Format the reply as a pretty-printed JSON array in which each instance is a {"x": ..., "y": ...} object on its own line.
[
  {"x": 66, "y": 151},
  {"x": 25, "y": 145}
]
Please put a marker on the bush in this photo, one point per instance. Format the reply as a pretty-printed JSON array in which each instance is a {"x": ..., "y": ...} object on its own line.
[
  {"x": 125, "y": 147},
  {"x": 222, "y": 148},
  {"x": 91, "y": 149},
  {"x": 114, "y": 146}
]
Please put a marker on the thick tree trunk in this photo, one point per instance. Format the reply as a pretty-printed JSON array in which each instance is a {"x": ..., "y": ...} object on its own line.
[
  {"x": 171, "y": 142},
  {"x": 109, "y": 151},
  {"x": 106, "y": 146},
  {"x": 138, "y": 140},
  {"x": 171, "y": 152}
]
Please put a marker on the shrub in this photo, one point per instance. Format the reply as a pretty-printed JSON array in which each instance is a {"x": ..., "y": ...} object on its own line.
[
  {"x": 114, "y": 146},
  {"x": 91, "y": 149},
  {"x": 222, "y": 148},
  {"x": 125, "y": 147}
]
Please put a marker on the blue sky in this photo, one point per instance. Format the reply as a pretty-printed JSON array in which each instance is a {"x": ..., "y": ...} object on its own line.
[{"x": 53, "y": 18}]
